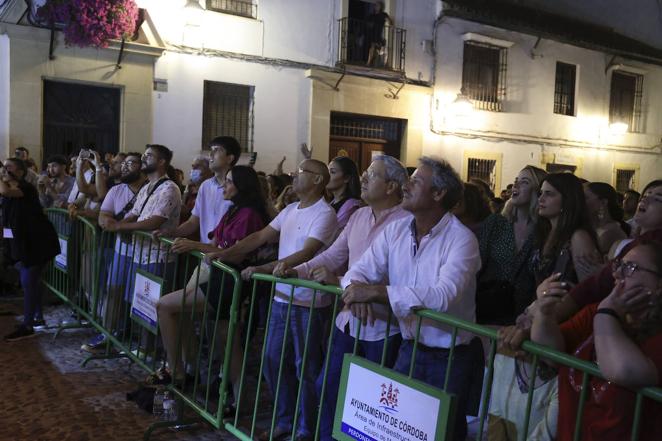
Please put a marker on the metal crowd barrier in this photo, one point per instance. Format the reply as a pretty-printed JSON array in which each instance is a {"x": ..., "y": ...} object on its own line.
[{"x": 226, "y": 322}]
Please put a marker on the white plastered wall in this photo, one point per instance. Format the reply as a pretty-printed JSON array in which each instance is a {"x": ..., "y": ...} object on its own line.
[
  {"x": 4, "y": 94},
  {"x": 29, "y": 64}
]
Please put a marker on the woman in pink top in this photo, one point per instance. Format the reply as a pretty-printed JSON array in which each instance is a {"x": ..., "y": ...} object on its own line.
[
  {"x": 345, "y": 188},
  {"x": 246, "y": 216}
]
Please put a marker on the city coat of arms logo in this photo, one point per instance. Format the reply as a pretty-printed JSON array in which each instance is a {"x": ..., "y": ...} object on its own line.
[{"x": 389, "y": 397}]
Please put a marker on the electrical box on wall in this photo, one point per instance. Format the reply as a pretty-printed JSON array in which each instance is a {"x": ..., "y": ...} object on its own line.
[{"x": 160, "y": 85}]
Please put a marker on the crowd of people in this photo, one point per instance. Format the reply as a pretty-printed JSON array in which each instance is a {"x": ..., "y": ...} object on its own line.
[{"x": 570, "y": 264}]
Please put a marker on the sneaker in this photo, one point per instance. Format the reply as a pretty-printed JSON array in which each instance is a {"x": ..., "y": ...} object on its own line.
[
  {"x": 39, "y": 324},
  {"x": 20, "y": 333},
  {"x": 97, "y": 344}
]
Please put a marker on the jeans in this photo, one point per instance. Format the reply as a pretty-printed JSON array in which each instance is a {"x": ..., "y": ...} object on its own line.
[
  {"x": 344, "y": 344},
  {"x": 32, "y": 289},
  {"x": 293, "y": 362},
  {"x": 430, "y": 367}
]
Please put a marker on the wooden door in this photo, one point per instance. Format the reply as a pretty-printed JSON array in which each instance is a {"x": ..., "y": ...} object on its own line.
[
  {"x": 349, "y": 148},
  {"x": 368, "y": 151}
]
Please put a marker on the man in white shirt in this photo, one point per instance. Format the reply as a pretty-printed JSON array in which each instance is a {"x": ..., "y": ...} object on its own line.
[
  {"x": 117, "y": 252},
  {"x": 210, "y": 206},
  {"x": 157, "y": 206},
  {"x": 304, "y": 228},
  {"x": 428, "y": 262},
  {"x": 381, "y": 189}
]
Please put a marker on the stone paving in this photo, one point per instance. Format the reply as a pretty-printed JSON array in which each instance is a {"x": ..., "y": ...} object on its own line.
[{"x": 47, "y": 395}]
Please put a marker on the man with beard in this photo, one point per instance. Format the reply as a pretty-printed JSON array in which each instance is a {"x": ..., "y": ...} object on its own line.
[
  {"x": 157, "y": 206},
  {"x": 55, "y": 186},
  {"x": 119, "y": 200}
]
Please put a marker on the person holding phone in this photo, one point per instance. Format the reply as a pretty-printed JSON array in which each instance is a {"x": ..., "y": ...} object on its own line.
[{"x": 32, "y": 240}]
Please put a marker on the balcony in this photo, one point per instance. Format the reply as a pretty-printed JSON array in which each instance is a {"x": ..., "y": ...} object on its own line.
[{"x": 361, "y": 44}]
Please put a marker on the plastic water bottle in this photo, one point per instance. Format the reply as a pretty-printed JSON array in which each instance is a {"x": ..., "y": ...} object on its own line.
[
  {"x": 157, "y": 406},
  {"x": 169, "y": 407}
]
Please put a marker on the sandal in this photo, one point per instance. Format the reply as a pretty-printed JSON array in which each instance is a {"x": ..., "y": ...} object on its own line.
[{"x": 159, "y": 377}]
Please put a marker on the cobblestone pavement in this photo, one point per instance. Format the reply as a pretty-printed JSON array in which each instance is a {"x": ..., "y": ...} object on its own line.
[{"x": 47, "y": 395}]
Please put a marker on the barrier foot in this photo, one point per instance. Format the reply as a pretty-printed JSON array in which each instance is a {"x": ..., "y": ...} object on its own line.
[
  {"x": 103, "y": 357},
  {"x": 174, "y": 425},
  {"x": 72, "y": 325}
]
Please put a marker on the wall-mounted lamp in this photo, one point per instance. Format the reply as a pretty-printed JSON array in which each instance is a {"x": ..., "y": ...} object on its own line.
[
  {"x": 618, "y": 128},
  {"x": 462, "y": 105},
  {"x": 193, "y": 13}
]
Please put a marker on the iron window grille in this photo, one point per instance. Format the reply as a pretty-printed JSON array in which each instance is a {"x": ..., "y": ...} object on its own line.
[
  {"x": 564, "y": 89},
  {"x": 624, "y": 180},
  {"x": 354, "y": 45},
  {"x": 242, "y": 8},
  {"x": 482, "y": 169},
  {"x": 484, "y": 75},
  {"x": 364, "y": 128},
  {"x": 625, "y": 100},
  {"x": 227, "y": 110}
]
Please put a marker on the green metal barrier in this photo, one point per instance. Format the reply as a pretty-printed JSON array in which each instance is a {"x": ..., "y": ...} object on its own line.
[
  {"x": 260, "y": 409},
  {"x": 73, "y": 277},
  {"x": 97, "y": 286},
  {"x": 255, "y": 406}
]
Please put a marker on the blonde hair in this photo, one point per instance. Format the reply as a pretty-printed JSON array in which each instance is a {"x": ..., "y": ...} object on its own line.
[{"x": 537, "y": 176}]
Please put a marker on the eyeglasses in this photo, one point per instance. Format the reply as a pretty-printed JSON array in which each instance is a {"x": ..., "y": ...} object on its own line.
[
  {"x": 302, "y": 170},
  {"x": 370, "y": 175},
  {"x": 626, "y": 269}
]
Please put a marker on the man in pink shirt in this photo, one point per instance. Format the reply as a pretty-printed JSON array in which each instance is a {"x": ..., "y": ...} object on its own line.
[{"x": 381, "y": 189}]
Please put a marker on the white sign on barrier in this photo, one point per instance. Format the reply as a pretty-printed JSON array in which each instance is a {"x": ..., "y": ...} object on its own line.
[
  {"x": 374, "y": 406},
  {"x": 61, "y": 259},
  {"x": 146, "y": 292}
]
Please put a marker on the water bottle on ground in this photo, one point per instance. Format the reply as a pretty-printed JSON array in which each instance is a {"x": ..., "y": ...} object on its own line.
[
  {"x": 157, "y": 406},
  {"x": 169, "y": 407}
]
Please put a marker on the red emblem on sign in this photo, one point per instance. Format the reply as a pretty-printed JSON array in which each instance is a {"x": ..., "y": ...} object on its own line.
[{"x": 389, "y": 396}]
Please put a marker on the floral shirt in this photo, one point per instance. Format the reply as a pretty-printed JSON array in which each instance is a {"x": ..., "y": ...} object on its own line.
[{"x": 163, "y": 201}]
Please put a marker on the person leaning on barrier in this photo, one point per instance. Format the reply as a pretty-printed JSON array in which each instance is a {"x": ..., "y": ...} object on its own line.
[
  {"x": 246, "y": 216},
  {"x": 622, "y": 334},
  {"x": 302, "y": 229},
  {"x": 113, "y": 272},
  {"x": 430, "y": 262},
  {"x": 32, "y": 240},
  {"x": 381, "y": 189},
  {"x": 210, "y": 203},
  {"x": 157, "y": 206},
  {"x": 593, "y": 289}
]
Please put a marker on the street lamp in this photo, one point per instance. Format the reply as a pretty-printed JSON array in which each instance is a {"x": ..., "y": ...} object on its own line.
[
  {"x": 618, "y": 128},
  {"x": 462, "y": 105},
  {"x": 192, "y": 14}
]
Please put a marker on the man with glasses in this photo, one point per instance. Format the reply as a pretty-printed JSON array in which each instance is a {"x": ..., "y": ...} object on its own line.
[
  {"x": 302, "y": 228},
  {"x": 381, "y": 189},
  {"x": 118, "y": 202},
  {"x": 427, "y": 261}
]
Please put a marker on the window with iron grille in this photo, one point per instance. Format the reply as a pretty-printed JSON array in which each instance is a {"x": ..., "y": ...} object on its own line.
[
  {"x": 484, "y": 75},
  {"x": 483, "y": 169},
  {"x": 227, "y": 110},
  {"x": 624, "y": 180},
  {"x": 625, "y": 99},
  {"x": 564, "y": 89},
  {"x": 243, "y": 8}
]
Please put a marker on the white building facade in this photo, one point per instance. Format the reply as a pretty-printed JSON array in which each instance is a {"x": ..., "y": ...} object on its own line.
[{"x": 279, "y": 73}]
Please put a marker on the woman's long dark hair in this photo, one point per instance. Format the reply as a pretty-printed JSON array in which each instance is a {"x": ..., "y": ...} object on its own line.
[
  {"x": 615, "y": 208},
  {"x": 349, "y": 169},
  {"x": 573, "y": 217},
  {"x": 249, "y": 192}
]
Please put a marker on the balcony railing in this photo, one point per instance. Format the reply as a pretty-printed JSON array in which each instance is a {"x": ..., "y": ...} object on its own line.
[
  {"x": 242, "y": 8},
  {"x": 361, "y": 44}
]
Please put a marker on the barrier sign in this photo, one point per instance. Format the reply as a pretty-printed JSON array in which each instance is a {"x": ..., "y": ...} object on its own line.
[
  {"x": 146, "y": 292},
  {"x": 378, "y": 404},
  {"x": 61, "y": 259}
]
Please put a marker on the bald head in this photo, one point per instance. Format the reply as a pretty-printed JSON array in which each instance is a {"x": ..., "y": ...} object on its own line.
[{"x": 318, "y": 167}]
